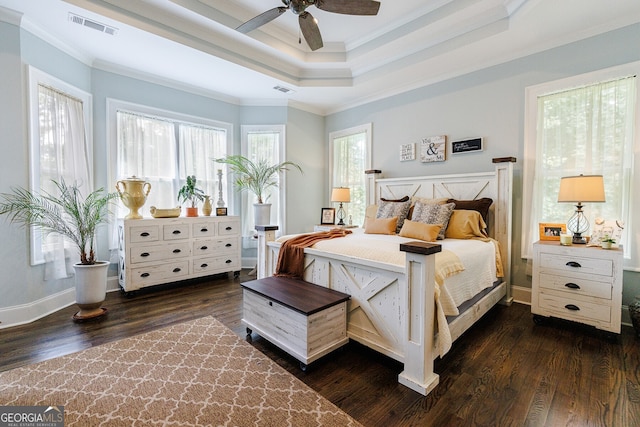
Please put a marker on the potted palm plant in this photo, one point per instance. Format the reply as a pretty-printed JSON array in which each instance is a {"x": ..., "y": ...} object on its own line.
[
  {"x": 190, "y": 193},
  {"x": 256, "y": 177},
  {"x": 76, "y": 218}
]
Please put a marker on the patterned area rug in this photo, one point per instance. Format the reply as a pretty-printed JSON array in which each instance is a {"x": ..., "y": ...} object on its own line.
[{"x": 197, "y": 373}]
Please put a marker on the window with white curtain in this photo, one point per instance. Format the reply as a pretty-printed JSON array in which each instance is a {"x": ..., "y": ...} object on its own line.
[
  {"x": 60, "y": 149},
  {"x": 350, "y": 157},
  {"x": 264, "y": 143},
  {"x": 583, "y": 125},
  {"x": 164, "y": 149}
]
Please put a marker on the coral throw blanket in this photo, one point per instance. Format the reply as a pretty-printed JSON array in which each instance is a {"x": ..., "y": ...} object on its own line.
[{"x": 291, "y": 255}]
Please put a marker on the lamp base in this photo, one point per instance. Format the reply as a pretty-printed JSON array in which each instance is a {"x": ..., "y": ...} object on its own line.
[{"x": 578, "y": 239}]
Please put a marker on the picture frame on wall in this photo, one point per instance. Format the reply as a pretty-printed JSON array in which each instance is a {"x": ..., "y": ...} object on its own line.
[
  {"x": 467, "y": 146},
  {"x": 328, "y": 216},
  {"x": 551, "y": 231},
  {"x": 433, "y": 149}
]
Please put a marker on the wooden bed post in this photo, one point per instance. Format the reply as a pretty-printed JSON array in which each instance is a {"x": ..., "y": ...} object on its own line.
[
  {"x": 418, "y": 372},
  {"x": 266, "y": 234}
]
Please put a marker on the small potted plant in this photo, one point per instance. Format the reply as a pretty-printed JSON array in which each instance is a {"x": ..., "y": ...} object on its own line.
[
  {"x": 77, "y": 218},
  {"x": 190, "y": 193},
  {"x": 606, "y": 242}
]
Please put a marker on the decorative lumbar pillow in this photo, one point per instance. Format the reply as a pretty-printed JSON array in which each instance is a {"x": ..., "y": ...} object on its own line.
[
  {"x": 391, "y": 209},
  {"x": 433, "y": 214},
  {"x": 381, "y": 225},
  {"x": 465, "y": 224},
  {"x": 420, "y": 230},
  {"x": 480, "y": 205}
]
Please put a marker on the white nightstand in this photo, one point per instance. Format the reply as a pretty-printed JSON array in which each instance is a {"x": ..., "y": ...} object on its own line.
[{"x": 578, "y": 283}]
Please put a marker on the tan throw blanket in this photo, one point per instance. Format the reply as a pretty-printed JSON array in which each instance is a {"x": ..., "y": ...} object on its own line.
[{"x": 291, "y": 255}]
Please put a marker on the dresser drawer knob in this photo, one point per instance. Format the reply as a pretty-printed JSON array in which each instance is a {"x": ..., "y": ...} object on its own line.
[
  {"x": 228, "y": 245},
  {"x": 572, "y": 285},
  {"x": 229, "y": 228},
  {"x": 572, "y": 307},
  {"x": 270, "y": 304},
  {"x": 204, "y": 265},
  {"x": 145, "y": 275},
  {"x": 204, "y": 230},
  {"x": 176, "y": 270},
  {"x": 176, "y": 231},
  {"x": 144, "y": 254},
  {"x": 144, "y": 234},
  {"x": 228, "y": 261},
  {"x": 203, "y": 248},
  {"x": 573, "y": 264}
]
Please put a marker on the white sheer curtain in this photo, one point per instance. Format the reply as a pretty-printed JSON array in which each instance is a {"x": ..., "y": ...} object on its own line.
[
  {"x": 63, "y": 154},
  {"x": 198, "y": 147},
  {"x": 585, "y": 130}
]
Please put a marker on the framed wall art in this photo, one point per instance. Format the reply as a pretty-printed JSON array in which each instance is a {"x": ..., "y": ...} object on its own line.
[
  {"x": 433, "y": 149},
  {"x": 328, "y": 216},
  {"x": 551, "y": 231},
  {"x": 466, "y": 146},
  {"x": 407, "y": 152}
]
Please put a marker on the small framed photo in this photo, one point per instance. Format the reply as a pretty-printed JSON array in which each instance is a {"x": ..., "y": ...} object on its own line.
[
  {"x": 328, "y": 216},
  {"x": 466, "y": 146},
  {"x": 221, "y": 211},
  {"x": 551, "y": 231}
]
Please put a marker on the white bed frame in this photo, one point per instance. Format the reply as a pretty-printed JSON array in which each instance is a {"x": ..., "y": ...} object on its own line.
[{"x": 392, "y": 308}]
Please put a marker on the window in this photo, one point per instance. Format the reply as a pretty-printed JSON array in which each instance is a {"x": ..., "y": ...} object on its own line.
[
  {"x": 61, "y": 148},
  {"x": 163, "y": 148},
  {"x": 264, "y": 143},
  {"x": 584, "y": 125},
  {"x": 350, "y": 157}
]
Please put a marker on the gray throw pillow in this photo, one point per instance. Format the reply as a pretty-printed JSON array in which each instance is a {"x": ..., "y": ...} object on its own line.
[
  {"x": 388, "y": 209},
  {"x": 433, "y": 214}
]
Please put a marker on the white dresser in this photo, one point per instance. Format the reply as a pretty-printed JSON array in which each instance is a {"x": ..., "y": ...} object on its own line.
[
  {"x": 578, "y": 283},
  {"x": 156, "y": 251}
]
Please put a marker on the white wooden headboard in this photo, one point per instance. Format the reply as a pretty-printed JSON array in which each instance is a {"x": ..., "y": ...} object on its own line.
[{"x": 495, "y": 184}]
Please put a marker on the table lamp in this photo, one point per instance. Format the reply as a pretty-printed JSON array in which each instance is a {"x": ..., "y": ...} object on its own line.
[
  {"x": 579, "y": 189},
  {"x": 342, "y": 195}
]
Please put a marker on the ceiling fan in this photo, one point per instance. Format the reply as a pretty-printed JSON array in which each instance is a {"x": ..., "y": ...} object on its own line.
[{"x": 308, "y": 24}]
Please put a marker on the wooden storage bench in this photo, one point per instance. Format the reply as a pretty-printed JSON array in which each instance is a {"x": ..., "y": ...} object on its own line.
[{"x": 305, "y": 320}]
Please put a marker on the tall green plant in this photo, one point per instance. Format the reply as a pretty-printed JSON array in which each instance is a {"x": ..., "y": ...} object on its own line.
[
  {"x": 256, "y": 177},
  {"x": 67, "y": 214},
  {"x": 189, "y": 192}
]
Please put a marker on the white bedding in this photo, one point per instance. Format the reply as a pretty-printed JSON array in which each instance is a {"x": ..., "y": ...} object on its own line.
[{"x": 477, "y": 257}]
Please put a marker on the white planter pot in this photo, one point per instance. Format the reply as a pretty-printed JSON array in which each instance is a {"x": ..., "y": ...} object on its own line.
[
  {"x": 91, "y": 289},
  {"x": 262, "y": 213}
]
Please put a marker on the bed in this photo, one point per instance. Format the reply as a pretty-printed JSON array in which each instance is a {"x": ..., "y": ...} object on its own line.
[{"x": 393, "y": 307}]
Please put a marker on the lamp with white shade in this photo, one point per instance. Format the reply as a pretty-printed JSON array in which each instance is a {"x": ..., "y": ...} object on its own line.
[
  {"x": 341, "y": 195},
  {"x": 580, "y": 189}
]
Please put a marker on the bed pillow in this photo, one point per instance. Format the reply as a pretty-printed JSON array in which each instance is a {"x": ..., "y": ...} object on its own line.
[
  {"x": 420, "y": 230},
  {"x": 480, "y": 205},
  {"x": 394, "y": 209},
  {"x": 433, "y": 214},
  {"x": 465, "y": 224},
  {"x": 425, "y": 200},
  {"x": 381, "y": 225}
]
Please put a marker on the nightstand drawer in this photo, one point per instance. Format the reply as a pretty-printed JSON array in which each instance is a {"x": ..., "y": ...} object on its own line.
[
  {"x": 575, "y": 309},
  {"x": 576, "y": 264},
  {"x": 578, "y": 286}
]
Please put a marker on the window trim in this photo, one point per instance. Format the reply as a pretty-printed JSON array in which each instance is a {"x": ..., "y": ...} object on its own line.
[
  {"x": 632, "y": 255},
  {"x": 35, "y": 78}
]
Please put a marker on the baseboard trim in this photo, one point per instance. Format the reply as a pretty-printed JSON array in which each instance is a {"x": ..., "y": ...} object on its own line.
[{"x": 27, "y": 313}]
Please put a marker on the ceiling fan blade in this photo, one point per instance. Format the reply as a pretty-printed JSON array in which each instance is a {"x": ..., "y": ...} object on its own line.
[
  {"x": 310, "y": 30},
  {"x": 349, "y": 7},
  {"x": 261, "y": 19}
]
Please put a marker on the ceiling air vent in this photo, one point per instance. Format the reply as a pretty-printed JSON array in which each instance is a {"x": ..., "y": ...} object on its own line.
[
  {"x": 89, "y": 23},
  {"x": 283, "y": 89}
]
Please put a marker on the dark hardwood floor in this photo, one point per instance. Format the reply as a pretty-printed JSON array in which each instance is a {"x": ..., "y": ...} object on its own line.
[{"x": 505, "y": 371}]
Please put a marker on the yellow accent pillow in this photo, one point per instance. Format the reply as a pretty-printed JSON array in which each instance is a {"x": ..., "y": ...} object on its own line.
[
  {"x": 465, "y": 224},
  {"x": 420, "y": 230},
  {"x": 381, "y": 225}
]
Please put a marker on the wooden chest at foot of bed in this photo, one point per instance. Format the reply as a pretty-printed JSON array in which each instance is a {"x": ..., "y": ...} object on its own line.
[{"x": 305, "y": 320}]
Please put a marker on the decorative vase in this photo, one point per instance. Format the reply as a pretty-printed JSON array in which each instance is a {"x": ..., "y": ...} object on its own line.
[
  {"x": 605, "y": 245},
  {"x": 262, "y": 213},
  {"x": 133, "y": 194},
  {"x": 191, "y": 212},
  {"x": 206, "y": 207},
  {"x": 91, "y": 289},
  {"x": 634, "y": 313}
]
